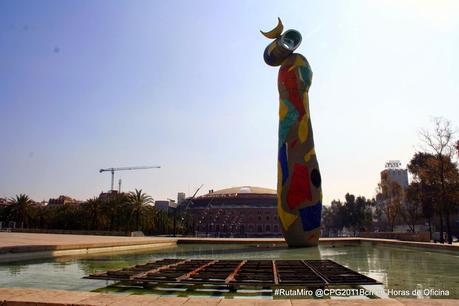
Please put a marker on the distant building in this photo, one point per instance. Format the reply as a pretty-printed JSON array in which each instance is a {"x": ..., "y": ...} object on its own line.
[
  {"x": 393, "y": 174},
  {"x": 245, "y": 211},
  {"x": 109, "y": 195},
  {"x": 62, "y": 200},
  {"x": 399, "y": 176},
  {"x": 181, "y": 196},
  {"x": 42, "y": 203},
  {"x": 162, "y": 204},
  {"x": 172, "y": 204}
]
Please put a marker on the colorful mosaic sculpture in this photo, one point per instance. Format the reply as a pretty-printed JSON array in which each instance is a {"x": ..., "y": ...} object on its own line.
[{"x": 299, "y": 190}]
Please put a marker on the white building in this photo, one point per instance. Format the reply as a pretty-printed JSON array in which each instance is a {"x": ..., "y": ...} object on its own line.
[
  {"x": 393, "y": 173},
  {"x": 180, "y": 198}
]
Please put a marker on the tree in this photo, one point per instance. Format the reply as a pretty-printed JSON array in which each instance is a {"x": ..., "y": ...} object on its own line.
[
  {"x": 390, "y": 196},
  {"x": 413, "y": 203},
  {"x": 20, "y": 208},
  {"x": 327, "y": 221},
  {"x": 441, "y": 143},
  {"x": 351, "y": 212},
  {"x": 425, "y": 186},
  {"x": 138, "y": 200},
  {"x": 337, "y": 216},
  {"x": 357, "y": 213},
  {"x": 366, "y": 206},
  {"x": 94, "y": 211}
]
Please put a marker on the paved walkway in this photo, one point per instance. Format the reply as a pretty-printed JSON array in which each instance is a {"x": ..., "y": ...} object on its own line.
[
  {"x": 23, "y": 241},
  {"x": 26, "y": 246},
  {"x": 16, "y": 296}
]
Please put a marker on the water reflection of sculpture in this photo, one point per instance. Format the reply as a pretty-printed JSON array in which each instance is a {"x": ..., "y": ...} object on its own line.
[{"x": 299, "y": 183}]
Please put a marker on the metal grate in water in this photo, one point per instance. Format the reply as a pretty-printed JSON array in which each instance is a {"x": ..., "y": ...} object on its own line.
[{"x": 265, "y": 273}]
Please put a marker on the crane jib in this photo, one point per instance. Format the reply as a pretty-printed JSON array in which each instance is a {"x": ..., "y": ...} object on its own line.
[{"x": 112, "y": 170}]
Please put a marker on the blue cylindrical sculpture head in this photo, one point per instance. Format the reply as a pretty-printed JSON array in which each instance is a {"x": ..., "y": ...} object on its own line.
[{"x": 282, "y": 46}]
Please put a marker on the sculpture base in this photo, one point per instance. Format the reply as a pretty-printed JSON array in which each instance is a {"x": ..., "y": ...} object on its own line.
[{"x": 297, "y": 238}]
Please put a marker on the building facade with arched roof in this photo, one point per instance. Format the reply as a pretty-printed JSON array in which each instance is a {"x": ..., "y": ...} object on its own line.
[{"x": 244, "y": 211}]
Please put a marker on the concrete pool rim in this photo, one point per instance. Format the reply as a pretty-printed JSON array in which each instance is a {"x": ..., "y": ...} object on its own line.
[{"x": 22, "y": 252}]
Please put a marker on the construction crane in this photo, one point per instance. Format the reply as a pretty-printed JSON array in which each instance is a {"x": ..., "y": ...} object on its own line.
[
  {"x": 112, "y": 170},
  {"x": 193, "y": 196},
  {"x": 187, "y": 204}
]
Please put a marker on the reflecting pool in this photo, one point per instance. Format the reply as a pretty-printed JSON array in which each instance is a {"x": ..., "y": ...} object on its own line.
[{"x": 404, "y": 268}]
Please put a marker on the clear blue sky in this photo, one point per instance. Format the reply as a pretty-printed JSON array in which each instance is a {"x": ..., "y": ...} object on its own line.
[{"x": 182, "y": 84}]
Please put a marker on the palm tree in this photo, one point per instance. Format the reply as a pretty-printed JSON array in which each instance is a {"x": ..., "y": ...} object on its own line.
[
  {"x": 114, "y": 210},
  {"x": 161, "y": 221},
  {"x": 20, "y": 209},
  {"x": 94, "y": 212},
  {"x": 138, "y": 200}
]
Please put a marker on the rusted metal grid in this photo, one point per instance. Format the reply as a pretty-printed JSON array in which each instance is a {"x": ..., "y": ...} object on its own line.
[{"x": 312, "y": 273}]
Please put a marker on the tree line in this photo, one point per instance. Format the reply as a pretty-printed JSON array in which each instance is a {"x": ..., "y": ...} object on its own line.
[
  {"x": 355, "y": 214},
  {"x": 431, "y": 199},
  {"x": 125, "y": 212}
]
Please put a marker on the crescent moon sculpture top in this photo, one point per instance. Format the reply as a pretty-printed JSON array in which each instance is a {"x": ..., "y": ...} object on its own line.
[{"x": 276, "y": 32}]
